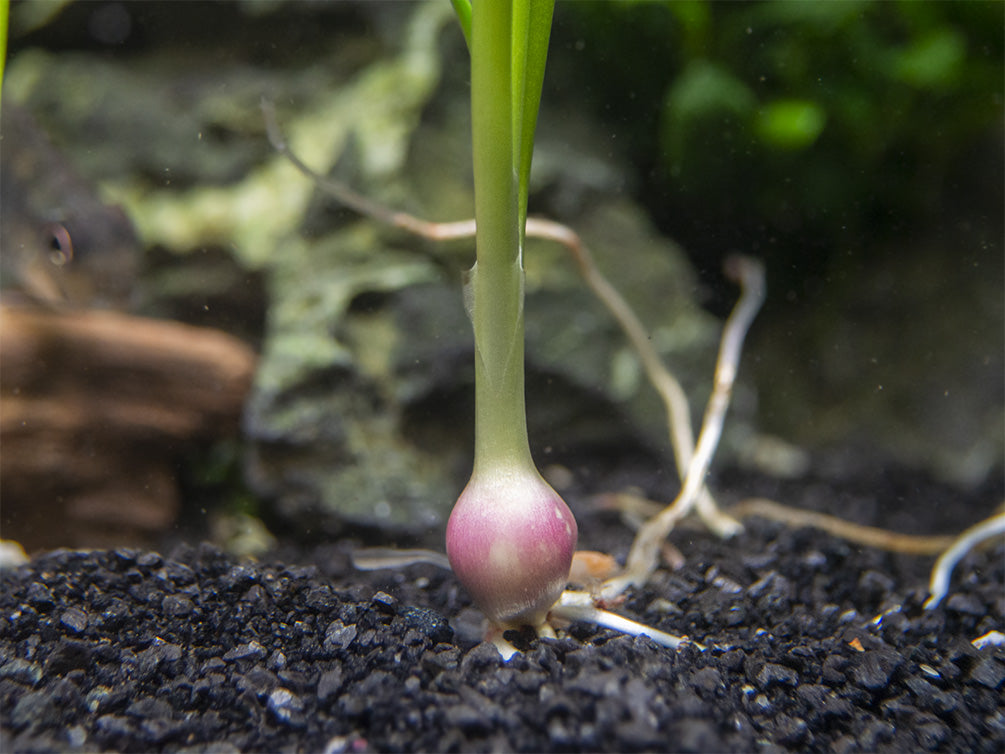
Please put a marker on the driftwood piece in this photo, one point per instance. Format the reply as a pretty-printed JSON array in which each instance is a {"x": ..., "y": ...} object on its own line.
[{"x": 95, "y": 409}]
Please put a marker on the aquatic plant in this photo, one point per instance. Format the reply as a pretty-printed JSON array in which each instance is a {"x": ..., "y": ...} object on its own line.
[{"x": 510, "y": 537}]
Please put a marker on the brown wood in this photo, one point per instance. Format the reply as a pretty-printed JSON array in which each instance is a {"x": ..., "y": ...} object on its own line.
[{"x": 96, "y": 407}]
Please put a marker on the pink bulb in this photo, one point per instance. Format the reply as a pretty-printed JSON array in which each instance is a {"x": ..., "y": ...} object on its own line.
[{"x": 510, "y": 541}]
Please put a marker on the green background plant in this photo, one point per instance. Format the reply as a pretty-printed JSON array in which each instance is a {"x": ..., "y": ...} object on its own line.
[{"x": 791, "y": 125}]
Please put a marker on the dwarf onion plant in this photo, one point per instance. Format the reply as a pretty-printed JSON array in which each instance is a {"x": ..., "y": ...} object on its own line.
[{"x": 511, "y": 539}]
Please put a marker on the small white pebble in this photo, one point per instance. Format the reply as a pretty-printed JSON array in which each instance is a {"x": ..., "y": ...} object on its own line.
[
  {"x": 663, "y": 606},
  {"x": 726, "y": 585},
  {"x": 929, "y": 671},
  {"x": 558, "y": 476},
  {"x": 76, "y": 736}
]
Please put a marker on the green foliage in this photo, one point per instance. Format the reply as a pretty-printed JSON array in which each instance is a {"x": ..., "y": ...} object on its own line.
[
  {"x": 934, "y": 61},
  {"x": 4, "y": 14},
  {"x": 848, "y": 101},
  {"x": 791, "y": 124},
  {"x": 463, "y": 10},
  {"x": 531, "y": 32},
  {"x": 703, "y": 95}
]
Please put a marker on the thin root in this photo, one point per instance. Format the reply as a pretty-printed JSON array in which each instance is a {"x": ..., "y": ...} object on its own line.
[
  {"x": 870, "y": 536},
  {"x": 574, "y": 606},
  {"x": 939, "y": 585},
  {"x": 415, "y": 225},
  {"x": 644, "y": 555}
]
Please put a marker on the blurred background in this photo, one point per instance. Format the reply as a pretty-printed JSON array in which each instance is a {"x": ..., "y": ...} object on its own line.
[{"x": 855, "y": 147}]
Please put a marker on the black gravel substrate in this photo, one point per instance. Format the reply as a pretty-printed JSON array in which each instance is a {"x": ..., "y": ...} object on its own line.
[{"x": 131, "y": 651}]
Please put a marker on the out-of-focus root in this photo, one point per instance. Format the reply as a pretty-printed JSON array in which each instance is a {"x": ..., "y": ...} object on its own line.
[
  {"x": 663, "y": 381},
  {"x": 636, "y": 506},
  {"x": 870, "y": 536}
]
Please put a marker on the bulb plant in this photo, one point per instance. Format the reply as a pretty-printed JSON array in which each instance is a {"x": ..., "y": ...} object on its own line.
[{"x": 510, "y": 537}]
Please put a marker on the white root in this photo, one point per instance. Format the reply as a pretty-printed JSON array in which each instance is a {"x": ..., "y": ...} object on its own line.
[
  {"x": 663, "y": 381},
  {"x": 938, "y": 587},
  {"x": 356, "y": 202},
  {"x": 644, "y": 555},
  {"x": 574, "y": 605}
]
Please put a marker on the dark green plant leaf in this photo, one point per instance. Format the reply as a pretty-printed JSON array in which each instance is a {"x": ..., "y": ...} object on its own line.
[
  {"x": 791, "y": 124},
  {"x": 531, "y": 32},
  {"x": 463, "y": 10},
  {"x": 934, "y": 61}
]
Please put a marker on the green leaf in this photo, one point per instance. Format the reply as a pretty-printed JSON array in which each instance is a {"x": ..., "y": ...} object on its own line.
[
  {"x": 704, "y": 90},
  {"x": 791, "y": 124},
  {"x": 463, "y": 10},
  {"x": 934, "y": 61},
  {"x": 4, "y": 15},
  {"x": 531, "y": 32}
]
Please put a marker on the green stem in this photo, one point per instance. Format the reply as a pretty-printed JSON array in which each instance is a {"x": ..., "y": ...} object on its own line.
[
  {"x": 497, "y": 278},
  {"x": 4, "y": 21},
  {"x": 500, "y": 412}
]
